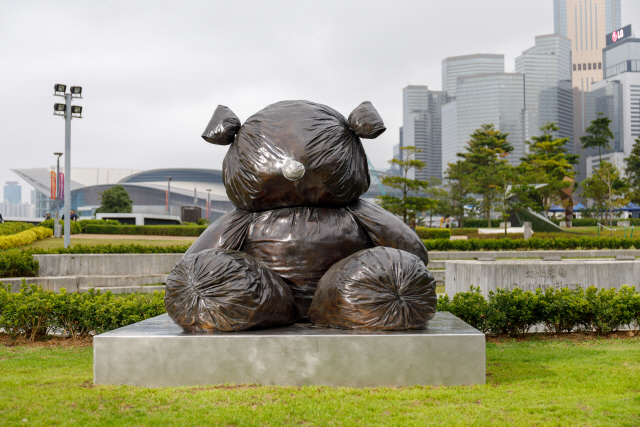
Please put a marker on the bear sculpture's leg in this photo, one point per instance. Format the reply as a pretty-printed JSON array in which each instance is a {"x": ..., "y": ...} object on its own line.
[
  {"x": 377, "y": 289},
  {"x": 226, "y": 290}
]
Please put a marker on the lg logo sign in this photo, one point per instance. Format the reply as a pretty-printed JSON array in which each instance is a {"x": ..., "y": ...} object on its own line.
[{"x": 618, "y": 34}]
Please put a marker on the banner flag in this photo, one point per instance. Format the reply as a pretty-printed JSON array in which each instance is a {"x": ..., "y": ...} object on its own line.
[
  {"x": 61, "y": 187},
  {"x": 53, "y": 185}
]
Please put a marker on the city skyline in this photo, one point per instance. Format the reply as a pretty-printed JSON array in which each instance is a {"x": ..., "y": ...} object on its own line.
[{"x": 152, "y": 78}]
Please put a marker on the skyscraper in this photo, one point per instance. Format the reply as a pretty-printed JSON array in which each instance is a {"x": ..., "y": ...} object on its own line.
[
  {"x": 421, "y": 127},
  {"x": 586, "y": 23},
  {"x": 457, "y": 66},
  {"x": 548, "y": 93},
  {"x": 13, "y": 192},
  {"x": 496, "y": 98},
  {"x": 617, "y": 97}
]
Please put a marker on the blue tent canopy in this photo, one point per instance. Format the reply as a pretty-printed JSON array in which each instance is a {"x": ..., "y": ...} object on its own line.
[
  {"x": 556, "y": 208},
  {"x": 631, "y": 207},
  {"x": 579, "y": 207}
]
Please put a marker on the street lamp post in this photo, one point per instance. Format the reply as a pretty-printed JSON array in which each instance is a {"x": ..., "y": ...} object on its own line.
[
  {"x": 67, "y": 111},
  {"x": 56, "y": 224},
  {"x": 169, "y": 195},
  {"x": 208, "y": 202}
]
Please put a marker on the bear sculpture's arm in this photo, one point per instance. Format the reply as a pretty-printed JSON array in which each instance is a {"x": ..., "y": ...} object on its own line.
[
  {"x": 385, "y": 229},
  {"x": 227, "y": 232}
]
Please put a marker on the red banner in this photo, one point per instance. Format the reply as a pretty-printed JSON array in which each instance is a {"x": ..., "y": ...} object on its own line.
[
  {"x": 53, "y": 185},
  {"x": 61, "y": 186}
]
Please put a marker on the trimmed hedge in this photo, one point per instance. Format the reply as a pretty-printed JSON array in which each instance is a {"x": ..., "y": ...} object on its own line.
[
  {"x": 9, "y": 228},
  {"x": 33, "y": 312},
  {"x": 113, "y": 249},
  {"x": 14, "y": 263},
  {"x": 24, "y": 237},
  {"x": 75, "y": 226},
  {"x": 535, "y": 243},
  {"x": 83, "y": 223},
  {"x": 480, "y": 223},
  {"x": 593, "y": 222},
  {"x": 154, "y": 230},
  {"x": 433, "y": 233},
  {"x": 513, "y": 312}
]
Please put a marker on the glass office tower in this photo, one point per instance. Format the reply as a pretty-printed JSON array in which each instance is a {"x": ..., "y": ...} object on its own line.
[
  {"x": 457, "y": 66},
  {"x": 496, "y": 98},
  {"x": 13, "y": 192},
  {"x": 421, "y": 127},
  {"x": 548, "y": 94}
]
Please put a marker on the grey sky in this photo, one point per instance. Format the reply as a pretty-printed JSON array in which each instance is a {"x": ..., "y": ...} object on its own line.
[{"x": 152, "y": 72}]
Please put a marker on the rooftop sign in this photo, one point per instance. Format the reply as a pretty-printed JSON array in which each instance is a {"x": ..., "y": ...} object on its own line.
[{"x": 618, "y": 35}]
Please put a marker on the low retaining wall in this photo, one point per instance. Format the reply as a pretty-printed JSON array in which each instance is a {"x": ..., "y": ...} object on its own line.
[
  {"x": 529, "y": 275},
  {"x": 105, "y": 264},
  {"x": 594, "y": 253}
]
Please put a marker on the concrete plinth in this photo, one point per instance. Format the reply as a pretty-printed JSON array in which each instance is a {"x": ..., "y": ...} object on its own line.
[
  {"x": 156, "y": 353},
  {"x": 530, "y": 275}
]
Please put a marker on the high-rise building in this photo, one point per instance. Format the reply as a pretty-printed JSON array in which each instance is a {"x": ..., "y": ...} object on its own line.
[
  {"x": 421, "y": 127},
  {"x": 548, "y": 92},
  {"x": 617, "y": 97},
  {"x": 497, "y": 99},
  {"x": 586, "y": 23},
  {"x": 13, "y": 192},
  {"x": 457, "y": 66}
]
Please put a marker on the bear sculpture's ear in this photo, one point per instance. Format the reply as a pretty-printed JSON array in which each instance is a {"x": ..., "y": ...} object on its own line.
[
  {"x": 222, "y": 127},
  {"x": 366, "y": 122}
]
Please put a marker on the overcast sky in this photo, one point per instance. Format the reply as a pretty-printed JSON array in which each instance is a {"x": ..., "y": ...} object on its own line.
[{"x": 153, "y": 72}]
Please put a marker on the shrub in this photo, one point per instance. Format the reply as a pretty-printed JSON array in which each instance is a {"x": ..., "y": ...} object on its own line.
[
  {"x": 469, "y": 306},
  {"x": 511, "y": 312},
  {"x": 534, "y": 243},
  {"x": 24, "y": 237},
  {"x": 561, "y": 310},
  {"x": 83, "y": 223},
  {"x": 156, "y": 230},
  {"x": 433, "y": 233},
  {"x": 15, "y": 263},
  {"x": 34, "y": 312},
  {"x": 27, "y": 313},
  {"x": 113, "y": 249},
  {"x": 76, "y": 228},
  {"x": 9, "y": 228}
]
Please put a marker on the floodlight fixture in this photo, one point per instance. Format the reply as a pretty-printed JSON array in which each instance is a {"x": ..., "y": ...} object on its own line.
[
  {"x": 76, "y": 109},
  {"x": 58, "y": 154},
  {"x": 59, "y": 88},
  {"x": 59, "y": 107},
  {"x": 76, "y": 90}
]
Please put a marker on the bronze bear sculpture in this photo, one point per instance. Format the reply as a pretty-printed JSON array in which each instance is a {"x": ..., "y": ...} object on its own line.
[{"x": 301, "y": 245}]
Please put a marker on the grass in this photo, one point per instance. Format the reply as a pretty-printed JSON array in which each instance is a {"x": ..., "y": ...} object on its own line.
[
  {"x": 536, "y": 382},
  {"x": 59, "y": 242}
]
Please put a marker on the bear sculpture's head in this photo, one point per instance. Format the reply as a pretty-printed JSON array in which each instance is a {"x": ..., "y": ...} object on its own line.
[{"x": 294, "y": 153}]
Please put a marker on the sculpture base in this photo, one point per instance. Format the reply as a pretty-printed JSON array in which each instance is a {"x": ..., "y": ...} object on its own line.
[{"x": 157, "y": 353}]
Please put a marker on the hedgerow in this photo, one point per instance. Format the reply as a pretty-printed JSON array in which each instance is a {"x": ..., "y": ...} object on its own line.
[
  {"x": 8, "y": 228},
  {"x": 154, "y": 230},
  {"x": 34, "y": 312},
  {"x": 513, "y": 312},
  {"x": 75, "y": 225},
  {"x": 24, "y": 237},
  {"x": 433, "y": 233},
  {"x": 535, "y": 243}
]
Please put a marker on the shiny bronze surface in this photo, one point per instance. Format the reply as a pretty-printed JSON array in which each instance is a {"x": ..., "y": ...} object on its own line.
[
  {"x": 380, "y": 289},
  {"x": 295, "y": 172}
]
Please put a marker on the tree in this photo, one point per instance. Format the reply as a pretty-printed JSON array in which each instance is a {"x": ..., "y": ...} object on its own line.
[
  {"x": 632, "y": 170},
  {"x": 406, "y": 206},
  {"x": 456, "y": 200},
  {"x": 607, "y": 188},
  {"x": 598, "y": 134},
  {"x": 115, "y": 200},
  {"x": 478, "y": 166},
  {"x": 513, "y": 193},
  {"x": 549, "y": 162}
]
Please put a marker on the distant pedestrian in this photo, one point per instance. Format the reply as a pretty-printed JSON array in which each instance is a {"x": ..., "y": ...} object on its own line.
[
  {"x": 412, "y": 224},
  {"x": 73, "y": 216},
  {"x": 1, "y": 220},
  {"x": 48, "y": 216}
]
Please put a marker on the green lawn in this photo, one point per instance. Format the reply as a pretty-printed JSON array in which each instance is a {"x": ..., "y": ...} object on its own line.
[{"x": 532, "y": 383}]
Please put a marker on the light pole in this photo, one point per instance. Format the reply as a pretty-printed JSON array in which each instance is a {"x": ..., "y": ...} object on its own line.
[
  {"x": 67, "y": 111},
  {"x": 169, "y": 195},
  {"x": 208, "y": 201},
  {"x": 56, "y": 223}
]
